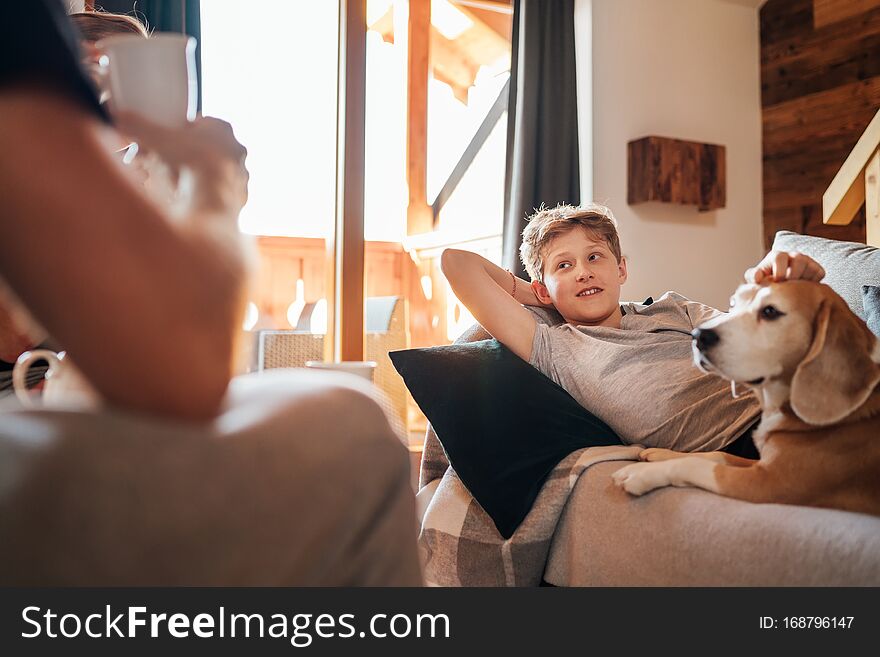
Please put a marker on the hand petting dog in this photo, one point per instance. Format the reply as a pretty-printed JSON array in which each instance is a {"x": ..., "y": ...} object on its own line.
[{"x": 778, "y": 266}]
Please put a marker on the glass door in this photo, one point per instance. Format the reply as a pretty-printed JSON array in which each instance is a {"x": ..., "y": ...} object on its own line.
[{"x": 271, "y": 70}]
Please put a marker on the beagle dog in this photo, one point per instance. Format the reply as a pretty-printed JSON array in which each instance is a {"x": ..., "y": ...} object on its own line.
[{"x": 813, "y": 365}]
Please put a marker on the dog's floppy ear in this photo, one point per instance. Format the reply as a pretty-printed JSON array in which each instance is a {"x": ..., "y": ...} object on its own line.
[{"x": 837, "y": 374}]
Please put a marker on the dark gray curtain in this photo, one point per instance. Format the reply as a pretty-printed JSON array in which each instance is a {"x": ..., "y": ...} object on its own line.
[
  {"x": 165, "y": 16},
  {"x": 542, "y": 137}
]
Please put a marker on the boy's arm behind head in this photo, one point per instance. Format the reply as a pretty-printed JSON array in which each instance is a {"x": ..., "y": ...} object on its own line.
[{"x": 488, "y": 293}]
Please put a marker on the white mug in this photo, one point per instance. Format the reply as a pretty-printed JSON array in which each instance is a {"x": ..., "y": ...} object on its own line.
[
  {"x": 155, "y": 77},
  {"x": 362, "y": 368},
  {"x": 65, "y": 386}
]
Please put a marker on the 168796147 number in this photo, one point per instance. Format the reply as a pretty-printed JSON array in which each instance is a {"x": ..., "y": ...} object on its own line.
[{"x": 817, "y": 622}]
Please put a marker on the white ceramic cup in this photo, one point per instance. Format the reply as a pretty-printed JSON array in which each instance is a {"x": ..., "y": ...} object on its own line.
[
  {"x": 65, "y": 386},
  {"x": 155, "y": 77},
  {"x": 362, "y": 368}
]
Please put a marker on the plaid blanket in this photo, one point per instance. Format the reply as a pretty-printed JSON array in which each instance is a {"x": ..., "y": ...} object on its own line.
[{"x": 459, "y": 542}]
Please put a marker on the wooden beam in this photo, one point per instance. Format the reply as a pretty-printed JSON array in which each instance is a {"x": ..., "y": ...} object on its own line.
[
  {"x": 500, "y": 22},
  {"x": 846, "y": 193},
  {"x": 872, "y": 200},
  {"x": 482, "y": 134},
  {"x": 348, "y": 311},
  {"x": 842, "y": 211},
  {"x": 500, "y": 6},
  {"x": 419, "y": 218}
]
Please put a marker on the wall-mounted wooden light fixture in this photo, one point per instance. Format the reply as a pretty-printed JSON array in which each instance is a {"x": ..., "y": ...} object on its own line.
[{"x": 676, "y": 171}]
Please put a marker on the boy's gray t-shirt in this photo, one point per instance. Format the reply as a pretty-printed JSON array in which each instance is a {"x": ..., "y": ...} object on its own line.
[{"x": 641, "y": 379}]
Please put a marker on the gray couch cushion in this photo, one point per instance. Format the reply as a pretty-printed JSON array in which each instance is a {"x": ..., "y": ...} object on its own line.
[
  {"x": 848, "y": 265},
  {"x": 871, "y": 302},
  {"x": 690, "y": 537}
]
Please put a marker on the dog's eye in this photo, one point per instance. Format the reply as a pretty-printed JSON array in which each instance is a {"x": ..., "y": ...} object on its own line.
[{"x": 770, "y": 312}]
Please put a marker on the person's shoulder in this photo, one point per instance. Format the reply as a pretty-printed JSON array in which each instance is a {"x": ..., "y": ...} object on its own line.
[
  {"x": 671, "y": 296},
  {"x": 561, "y": 328},
  {"x": 545, "y": 316},
  {"x": 672, "y": 299},
  {"x": 671, "y": 308},
  {"x": 697, "y": 312},
  {"x": 667, "y": 301},
  {"x": 559, "y": 335}
]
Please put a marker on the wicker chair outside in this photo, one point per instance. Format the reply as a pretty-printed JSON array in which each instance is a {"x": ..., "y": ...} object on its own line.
[{"x": 387, "y": 330}]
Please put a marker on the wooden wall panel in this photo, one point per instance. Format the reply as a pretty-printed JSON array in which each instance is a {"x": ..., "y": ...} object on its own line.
[
  {"x": 821, "y": 59},
  {"x": 820, "y": 87},
  {"x": 826, "y": 12}
]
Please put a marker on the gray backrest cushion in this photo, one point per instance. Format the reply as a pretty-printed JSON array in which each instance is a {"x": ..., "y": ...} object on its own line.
[
  {"x": 848, "y": 265},
  {"x": 871, "y": 302}
]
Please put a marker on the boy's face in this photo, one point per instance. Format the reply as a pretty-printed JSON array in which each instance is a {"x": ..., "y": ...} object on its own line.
[{"x": 582, "y": 278}]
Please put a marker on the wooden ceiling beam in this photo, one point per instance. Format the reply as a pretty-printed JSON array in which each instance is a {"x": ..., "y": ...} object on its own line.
[{"x": 501, "y": 6}]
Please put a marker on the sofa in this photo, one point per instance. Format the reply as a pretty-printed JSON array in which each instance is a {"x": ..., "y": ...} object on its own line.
[{"x": 675, "y": 536}]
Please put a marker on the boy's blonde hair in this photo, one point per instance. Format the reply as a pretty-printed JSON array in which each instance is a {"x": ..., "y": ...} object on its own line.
[{"x": 549, "y": 223}]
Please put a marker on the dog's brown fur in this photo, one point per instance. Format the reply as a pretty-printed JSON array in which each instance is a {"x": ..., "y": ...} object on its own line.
[{"x": 819, "y": 436}]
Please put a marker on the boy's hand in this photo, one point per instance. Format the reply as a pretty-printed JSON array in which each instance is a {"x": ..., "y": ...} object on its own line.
[{"x": 783, "y": 265}]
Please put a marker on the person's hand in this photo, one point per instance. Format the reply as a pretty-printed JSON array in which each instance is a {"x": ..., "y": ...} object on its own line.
[
  {"x": 783, "y": 265},
  {"x": 207, "y": 147}
]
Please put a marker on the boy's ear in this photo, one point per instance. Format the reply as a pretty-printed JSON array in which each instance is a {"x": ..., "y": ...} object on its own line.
[
  {"x": 621, "y": 271},
  {"x": 541, "y": 292}
]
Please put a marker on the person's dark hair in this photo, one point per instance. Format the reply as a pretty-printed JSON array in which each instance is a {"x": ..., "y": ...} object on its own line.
[{"x": 97, "y": 25}]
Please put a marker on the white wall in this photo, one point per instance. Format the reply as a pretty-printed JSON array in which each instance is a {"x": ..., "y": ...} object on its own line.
[{"x": 688, "y": 69}]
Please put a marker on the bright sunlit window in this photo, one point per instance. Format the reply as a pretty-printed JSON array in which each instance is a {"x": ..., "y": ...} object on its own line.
[
  {"x": 454, "y": 115},
  {"x": 270, "y": 69}
]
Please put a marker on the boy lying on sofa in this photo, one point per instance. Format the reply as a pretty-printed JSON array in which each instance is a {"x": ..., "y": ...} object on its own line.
[{"x": 604, "y": 353}]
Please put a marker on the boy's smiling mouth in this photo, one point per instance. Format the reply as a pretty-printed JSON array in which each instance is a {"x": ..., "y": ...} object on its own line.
[{"x": 590, "y": 291}]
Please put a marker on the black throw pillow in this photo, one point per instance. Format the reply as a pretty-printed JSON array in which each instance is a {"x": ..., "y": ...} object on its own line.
[
  {"x": 871, "y": 304},
  {"x": 502, "y": 424}
]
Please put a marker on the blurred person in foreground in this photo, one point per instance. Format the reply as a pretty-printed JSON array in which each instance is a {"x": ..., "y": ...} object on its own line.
[
  {"x": 19, "y": 332},
  {"x": 181, "y": 478}
]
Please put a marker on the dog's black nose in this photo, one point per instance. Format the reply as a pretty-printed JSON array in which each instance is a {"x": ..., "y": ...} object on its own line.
[{"x": 705, "y": 338}]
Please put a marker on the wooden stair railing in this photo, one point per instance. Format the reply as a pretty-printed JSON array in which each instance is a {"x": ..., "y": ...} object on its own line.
[{"x": 857, "y": 182}]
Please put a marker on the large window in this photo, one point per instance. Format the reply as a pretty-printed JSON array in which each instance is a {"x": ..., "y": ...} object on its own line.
[
  {"x": 271, "y": 69},
  {"x": 469, "y": 54},
  {"x": 437, "y": 76}
]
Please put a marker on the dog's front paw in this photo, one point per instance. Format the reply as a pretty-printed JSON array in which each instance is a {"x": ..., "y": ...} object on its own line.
[
  {"x": 659, "y": 454},
  {"x": 641, "y": 478}
]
